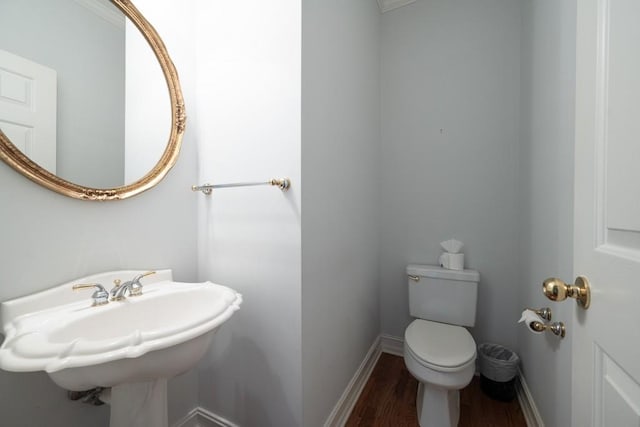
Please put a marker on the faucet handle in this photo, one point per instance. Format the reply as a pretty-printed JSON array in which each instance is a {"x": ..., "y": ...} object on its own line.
[
  {"x": 148, "y": 273},
  {"x": 100, "y": 296},
  {"x": 135, "y": 288}
]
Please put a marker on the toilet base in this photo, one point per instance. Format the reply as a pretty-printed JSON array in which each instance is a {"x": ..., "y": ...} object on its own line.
[{"x": 437, "y": 407}]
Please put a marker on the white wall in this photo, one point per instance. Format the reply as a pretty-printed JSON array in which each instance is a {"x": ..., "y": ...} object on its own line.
[
  {"x": 450, "y": 120},
  {"x": 340, "y": 160},
  {"x": 49, "y": 239},
  {"x": 548, "y": 89},
  {"x": 248, "y": 129}
]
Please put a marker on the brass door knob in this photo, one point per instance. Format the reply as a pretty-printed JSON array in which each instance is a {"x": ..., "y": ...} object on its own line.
[{"x": 557, "y": 290}]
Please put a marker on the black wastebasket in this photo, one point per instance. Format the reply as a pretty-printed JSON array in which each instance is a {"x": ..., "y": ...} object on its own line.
[{"x": 498, "y": 371}]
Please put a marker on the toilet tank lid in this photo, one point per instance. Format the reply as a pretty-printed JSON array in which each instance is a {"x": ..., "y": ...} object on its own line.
[{"x": 436, "y": 272}]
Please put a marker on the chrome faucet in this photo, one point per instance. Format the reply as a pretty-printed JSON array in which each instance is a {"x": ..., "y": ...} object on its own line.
[
  {"x": 100, "y": 296},
  {"x": 133, "y": 287}
]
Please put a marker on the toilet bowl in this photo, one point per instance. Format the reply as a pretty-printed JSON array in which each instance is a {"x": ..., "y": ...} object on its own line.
[
  {"x": 438, "y": 351},
  {"x": 442, "y": 358}
]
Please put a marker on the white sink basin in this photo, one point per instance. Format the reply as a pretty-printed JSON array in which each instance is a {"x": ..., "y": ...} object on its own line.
[{"x": 159, "y": 334}]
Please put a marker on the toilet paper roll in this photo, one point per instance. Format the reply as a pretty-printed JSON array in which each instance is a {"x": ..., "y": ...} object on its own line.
[
  {"x": 528, "y": 317},
  {"x": 452, "y": 261}
]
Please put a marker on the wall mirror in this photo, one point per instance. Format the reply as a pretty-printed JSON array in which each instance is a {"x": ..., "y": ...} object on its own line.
[{"x": 84, "y": 105}]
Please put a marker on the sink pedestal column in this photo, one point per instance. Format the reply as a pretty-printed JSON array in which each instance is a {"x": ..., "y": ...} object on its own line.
[{"x": 139, "y": 404}]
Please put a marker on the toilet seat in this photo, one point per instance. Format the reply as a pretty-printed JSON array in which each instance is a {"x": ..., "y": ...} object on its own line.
[{"x": 440, "y": 346}]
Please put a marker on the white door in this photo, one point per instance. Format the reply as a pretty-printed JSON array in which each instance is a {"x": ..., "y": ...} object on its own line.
[
  {"x": 28, "y": 108},
  {"x": 606, "y": 337}
]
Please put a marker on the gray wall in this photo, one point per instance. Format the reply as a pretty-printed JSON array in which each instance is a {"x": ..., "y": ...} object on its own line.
[
  {"x": 450, "y": 119},
  {"x": 88, "y": 54},
  {"x": 546, "y": 194},
  {"x": 248, "y": 128},
  {"x": 340, "y": 161},
  {"x": 48, "y": 239}
]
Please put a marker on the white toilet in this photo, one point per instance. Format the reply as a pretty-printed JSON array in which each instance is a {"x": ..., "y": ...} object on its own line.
[{"x": 438, "y": 351}]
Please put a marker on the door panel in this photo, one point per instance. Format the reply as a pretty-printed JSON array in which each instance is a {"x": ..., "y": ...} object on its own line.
[
  {"x": 28, "y": 94},
  {"x": 606, "y": 337},
  {"x": 620, "y": 112},
  {"x": 617, "y": 396}
]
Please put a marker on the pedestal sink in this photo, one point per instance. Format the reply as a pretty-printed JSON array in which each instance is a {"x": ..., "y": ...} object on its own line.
[{"x": 132, "y": 345}]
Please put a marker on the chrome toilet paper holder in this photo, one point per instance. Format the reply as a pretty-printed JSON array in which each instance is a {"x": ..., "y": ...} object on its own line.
[
  {"x": 556, "y": 328},
  {"x": 544, "y": 312}
]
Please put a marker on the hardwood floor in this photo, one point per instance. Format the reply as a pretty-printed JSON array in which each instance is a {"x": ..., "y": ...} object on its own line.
[{"x": 389, "y": 399}]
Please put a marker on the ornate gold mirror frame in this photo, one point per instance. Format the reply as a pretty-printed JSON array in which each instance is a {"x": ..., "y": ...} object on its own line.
[{"x": 21, "y": 163}]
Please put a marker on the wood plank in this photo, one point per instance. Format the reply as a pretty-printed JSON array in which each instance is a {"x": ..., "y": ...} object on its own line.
[{"x": 389, "y": 399}]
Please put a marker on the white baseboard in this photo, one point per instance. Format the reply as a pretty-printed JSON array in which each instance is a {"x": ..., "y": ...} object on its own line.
[
  {"x": 392, "y": 345},
  {"x": 200, "y": 417},
  {"x": 528, "y": 406},
  {"x": 347, "y": 401}
]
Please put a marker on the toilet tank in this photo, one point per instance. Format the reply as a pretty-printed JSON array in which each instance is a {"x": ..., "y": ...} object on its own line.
[{"x": 441, "y": 295}]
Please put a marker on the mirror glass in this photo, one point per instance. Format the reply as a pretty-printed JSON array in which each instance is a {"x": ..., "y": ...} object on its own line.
[{"x": 81, "y": 92}]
